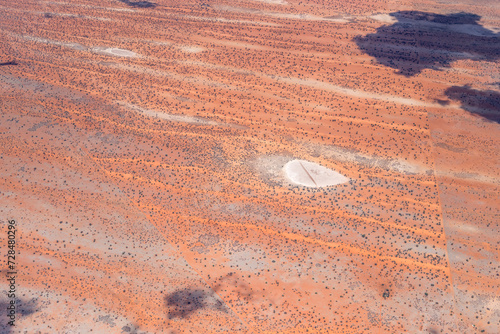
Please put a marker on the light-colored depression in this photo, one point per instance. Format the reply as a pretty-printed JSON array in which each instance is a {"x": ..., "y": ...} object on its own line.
[{"x": 309, "y": 174}]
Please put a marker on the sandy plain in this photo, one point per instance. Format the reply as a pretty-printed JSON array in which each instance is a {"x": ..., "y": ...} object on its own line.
[{"x": 147, "y": 182}]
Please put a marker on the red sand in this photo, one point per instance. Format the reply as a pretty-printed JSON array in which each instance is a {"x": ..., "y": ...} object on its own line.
[{"x": 130, "y": 223}]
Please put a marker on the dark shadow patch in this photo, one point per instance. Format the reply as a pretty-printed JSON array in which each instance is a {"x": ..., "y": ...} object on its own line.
[
  {"x": 13, "y": 62},
  {"x": 182, "y": 303},
  {"x": 139, "y": 4},
  {"x": 23, "y": 308},
  {"x": 26, "y": 308},
  {"x": 443, "y": 102},
  {"x": 484, "y": 103},
  {"x": 421, "y": 40}
]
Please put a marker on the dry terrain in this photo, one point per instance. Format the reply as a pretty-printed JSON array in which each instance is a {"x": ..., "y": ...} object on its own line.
[{"x": 143, "y": 147}]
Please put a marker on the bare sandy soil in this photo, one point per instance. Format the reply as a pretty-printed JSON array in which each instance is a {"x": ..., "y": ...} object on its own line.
[
  {"x": 114, "y": 52},
  {"x": 251, "y": 167},
  {"x": 309, "y": 174}
]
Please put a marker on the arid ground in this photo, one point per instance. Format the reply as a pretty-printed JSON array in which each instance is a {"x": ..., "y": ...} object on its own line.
[{"x": 143, "y": 147}]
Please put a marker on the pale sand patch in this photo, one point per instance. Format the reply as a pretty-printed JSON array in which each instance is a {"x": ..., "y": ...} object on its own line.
[
  {"x": 326, "y": 86},
  {"x": 386, "y": 18},
  {"x": 338, "y": 19},
  {"x": 191, "y": 48},
  {"x": 115, "y": 52},
  {"x": 280, "y": 15},
  {"x": 309, "y": 174},
  {"x": 224, "y": 20},
  {"x": 196, "y": 80},
  {"x": 341, "y": 154},
  {"x": 290, "y": 16},
  {"x": 354, "y": 92},
  {"x": 463, "y": 227},
  {"x": 483, "y": 178},
  {"x": 493, "y": 304},
  {"x": 76, "y": 46},
  {"x": 168, "y": 117}
]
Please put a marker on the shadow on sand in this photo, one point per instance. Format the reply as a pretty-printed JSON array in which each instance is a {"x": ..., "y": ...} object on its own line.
[
  {"x": 184, "y": 302},
  {"x": 420, "y": 40},
  {"x": 23, "y": 308},
  {"x": 482, "y": 103},
  {"x": 139, "y": 4},
  {"x": 9, "y": 63}
]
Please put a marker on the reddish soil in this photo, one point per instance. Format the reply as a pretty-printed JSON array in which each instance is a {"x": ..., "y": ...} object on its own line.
[{"x": 147, "y": 186}]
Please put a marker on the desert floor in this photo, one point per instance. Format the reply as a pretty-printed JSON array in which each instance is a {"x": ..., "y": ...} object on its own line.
[{"x": 143, "y": 148}]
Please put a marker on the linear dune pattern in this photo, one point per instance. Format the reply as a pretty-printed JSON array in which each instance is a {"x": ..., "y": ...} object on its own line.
[{"x": 144, "y": 149}]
